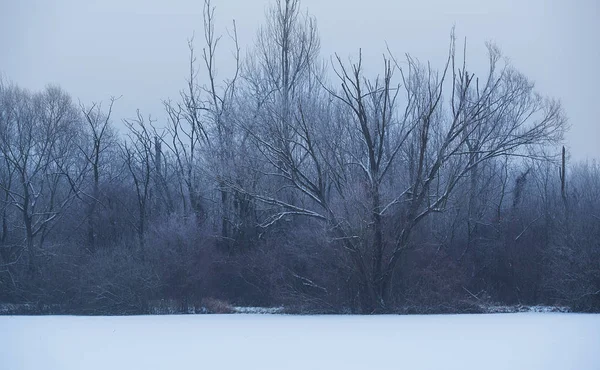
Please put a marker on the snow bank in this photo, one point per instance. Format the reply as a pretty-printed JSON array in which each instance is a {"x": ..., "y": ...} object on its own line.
[
  {"x": 521, "y": 308},
  {"x": 259, "y": 310},
  {"x": 508, "y": 341}
]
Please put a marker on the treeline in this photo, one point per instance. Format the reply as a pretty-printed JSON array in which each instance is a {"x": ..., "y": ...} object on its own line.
[{"x": 299, "y": 183}]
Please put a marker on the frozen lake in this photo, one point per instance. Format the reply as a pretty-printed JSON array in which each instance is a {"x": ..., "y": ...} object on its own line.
[{"x": 527, "y": 341}]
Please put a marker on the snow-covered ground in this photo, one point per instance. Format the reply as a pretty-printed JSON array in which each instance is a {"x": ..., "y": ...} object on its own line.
[{"x": 243, "y": 342}]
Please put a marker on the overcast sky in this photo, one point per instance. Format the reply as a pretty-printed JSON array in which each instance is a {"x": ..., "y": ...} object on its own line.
[{"x": 137, "y": 48}]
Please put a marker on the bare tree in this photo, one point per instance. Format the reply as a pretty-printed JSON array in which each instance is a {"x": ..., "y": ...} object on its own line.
[
  {"x": 39, "y": 143},
  {"x": 432, "y": 147},
  {"x": 9, "y": 254},
  {"x": 503, "y": 116},
  {"x": 140, "y": 162},
  {"x": 220, "y": 109},
  {"x": 101, "y": 136},
  {"x": 280, "y": 76},
  {"x": 200, "y": 130}
]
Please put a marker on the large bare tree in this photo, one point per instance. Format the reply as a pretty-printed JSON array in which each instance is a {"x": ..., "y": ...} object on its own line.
[{"x": 420, "y": 136}]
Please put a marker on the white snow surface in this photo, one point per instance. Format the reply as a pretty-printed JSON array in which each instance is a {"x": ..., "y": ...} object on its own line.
[{"x": 527, "y": 341}]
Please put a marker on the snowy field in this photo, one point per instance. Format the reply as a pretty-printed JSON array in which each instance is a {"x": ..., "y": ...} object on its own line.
[{"x": 527, "y": 341}]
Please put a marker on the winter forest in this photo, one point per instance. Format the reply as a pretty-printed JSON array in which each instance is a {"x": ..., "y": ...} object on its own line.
[{"x": 310, "y": 182}]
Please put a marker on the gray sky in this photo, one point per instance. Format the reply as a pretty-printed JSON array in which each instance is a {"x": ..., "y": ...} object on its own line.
[{"x": 137, "y": 48}]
